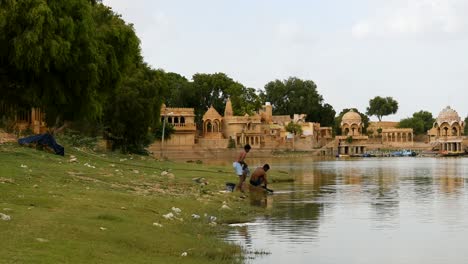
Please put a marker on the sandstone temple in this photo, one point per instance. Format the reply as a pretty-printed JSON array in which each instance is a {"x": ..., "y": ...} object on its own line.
[{"x": 262, "y": 130}]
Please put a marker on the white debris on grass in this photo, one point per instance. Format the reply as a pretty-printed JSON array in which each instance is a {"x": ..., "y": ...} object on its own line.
[
  {"x": 89, "y": 165},
  {"x": 164, "y": 173},
  {"x": 195, "y": 216},
  {"x": 157, "y": 224},
  {"x": 213, "y": 224},
  {"x": 212, "y": 218},
  {"x": 73, "y": 159},
  {"x": 112, "y": 165},
  {"x": 169, "y": 216},
  {"x": 35, "y": 186},
  {"x": 136, "y": 171},
  {"x": 122, "y": 160},
  {"x": 42, "y": 240},
  {"x": 184, "y": 254},
  {"x": 7, "y": 209},
  {"x": 176, "y": 210},
  {"x": 23, "y": 166},
  {"x": 225, "y": 207},
  {"x": 5, "y": 217},
  {"x": 103, "y": 228}
]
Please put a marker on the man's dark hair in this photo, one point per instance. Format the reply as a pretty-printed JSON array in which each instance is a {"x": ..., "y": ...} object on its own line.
[
  {"x": 247, "y": 147},
  {"x": 266, "y": 167}
]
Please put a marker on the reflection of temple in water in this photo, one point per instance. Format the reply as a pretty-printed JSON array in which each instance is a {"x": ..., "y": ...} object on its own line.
[{"x": 450, "y": 180}]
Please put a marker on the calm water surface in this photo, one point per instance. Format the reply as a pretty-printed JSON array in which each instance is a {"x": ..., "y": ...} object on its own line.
[{"x": 388, "y": 210}]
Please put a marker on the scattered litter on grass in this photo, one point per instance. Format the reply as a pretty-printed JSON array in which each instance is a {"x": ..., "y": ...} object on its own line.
[
  {"x": 225, "y": 207},
  {"x": 73, "y": 159},
  {"x": 6, "y": 180},
  {"x": 176, "y": 210},
  {"x": 195, "y": 216},
  {"x": 136, "y": 171},
  {"x": 35, "y": 186},
  {"x": 212, "y": 218},
  {"x": 169, "y": 216},
  {"x": 5, "y": 217},
  {"x": 122, "y": 160},
  {"x": 23, "y": 166},
  {"x": 89, "y": 165},
  {"x": 123, "y": 208},
  {"x": 213, "y": 224},
  {"x": 184, "y": 254},
  {"x": 42, "y": 240},
  {"x": 164, "y": 173},
  {"x": 112, "y": 165},
  {"x": 157, "y": 224},
  {"x": 102, "y": 228}
]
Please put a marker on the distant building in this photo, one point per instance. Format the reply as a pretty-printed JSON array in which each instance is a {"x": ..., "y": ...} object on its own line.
[
  {"x": 32, "y": 119},
  {"x": 446, "y": 135},
  {"x": 390, "y": 134},
  {"x": 351, "y": 141},
  {"x": 261, "y": 130}
]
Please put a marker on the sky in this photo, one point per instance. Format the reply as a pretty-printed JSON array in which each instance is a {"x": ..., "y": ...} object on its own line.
[{"x": 415, "y": 51}]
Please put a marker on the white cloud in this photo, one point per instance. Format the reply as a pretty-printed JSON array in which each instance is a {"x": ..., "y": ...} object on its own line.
[{"x": 415, "y": 18}]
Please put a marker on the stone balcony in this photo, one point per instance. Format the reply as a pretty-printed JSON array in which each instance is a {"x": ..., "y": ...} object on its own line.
[
  {"x": 185, "y": 127},
  {"x": 450, "y": 139}
]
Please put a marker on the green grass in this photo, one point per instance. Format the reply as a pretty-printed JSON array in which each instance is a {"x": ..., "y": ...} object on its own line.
[{"x": 63, "y": 212}]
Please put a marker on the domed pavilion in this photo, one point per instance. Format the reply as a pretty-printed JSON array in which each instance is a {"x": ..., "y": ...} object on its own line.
[
  {"x": 351, "y": 124},
  {"x": 351, "y": 142},
  {"x": 447, "y": 132}
]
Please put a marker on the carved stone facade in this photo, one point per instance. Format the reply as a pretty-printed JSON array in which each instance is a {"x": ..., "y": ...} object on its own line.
[
  {"x": 183, "y": 121},
  {"x": 261, "y": 130},
  {"x": 446, "y": 134},
  {"x": 351, "y": 142}
]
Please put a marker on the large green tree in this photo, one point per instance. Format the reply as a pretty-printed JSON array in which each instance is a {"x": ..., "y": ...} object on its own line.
[
  {"x": 337, "y": 123},
  {"x": 213, "y": 90},
  {"x": 296, "y": 96},
  {"x": 421, "y": 122},
  {"x": 63, "y": 56},
  {"x": 132, "y": 117},
  {"x": 380, "y": 106}
]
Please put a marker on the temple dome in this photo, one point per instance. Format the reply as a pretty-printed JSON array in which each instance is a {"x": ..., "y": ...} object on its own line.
[
  {"x": 351, "y": 117},
  {"x": 448, "y": 115}
]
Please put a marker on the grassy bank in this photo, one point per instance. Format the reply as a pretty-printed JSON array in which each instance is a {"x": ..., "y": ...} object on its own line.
[{"x": 111, "y": 208}]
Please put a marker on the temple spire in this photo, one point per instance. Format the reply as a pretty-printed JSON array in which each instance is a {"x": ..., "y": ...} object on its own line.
[{"x": 228, "y": 109}]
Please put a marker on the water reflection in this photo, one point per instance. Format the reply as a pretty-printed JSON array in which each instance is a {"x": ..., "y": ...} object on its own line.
[{"x": 392, "y": 210}]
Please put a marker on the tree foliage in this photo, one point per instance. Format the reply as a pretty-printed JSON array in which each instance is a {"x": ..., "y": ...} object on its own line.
[
  {"x": 208, "y": 90},
  {"x": 296, "y": 96},
  {"x": 380, "y": 106},
  {"x": 294, "y": 128},
  {"x": 133, "y": 114},
  {"x": 62, "y": 56},
  {"x": 337, "y": 123},
  {"x": 421, "y": 122}
]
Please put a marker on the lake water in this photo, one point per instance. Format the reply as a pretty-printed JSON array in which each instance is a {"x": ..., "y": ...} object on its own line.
[{"x": 376, "y": 210}]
